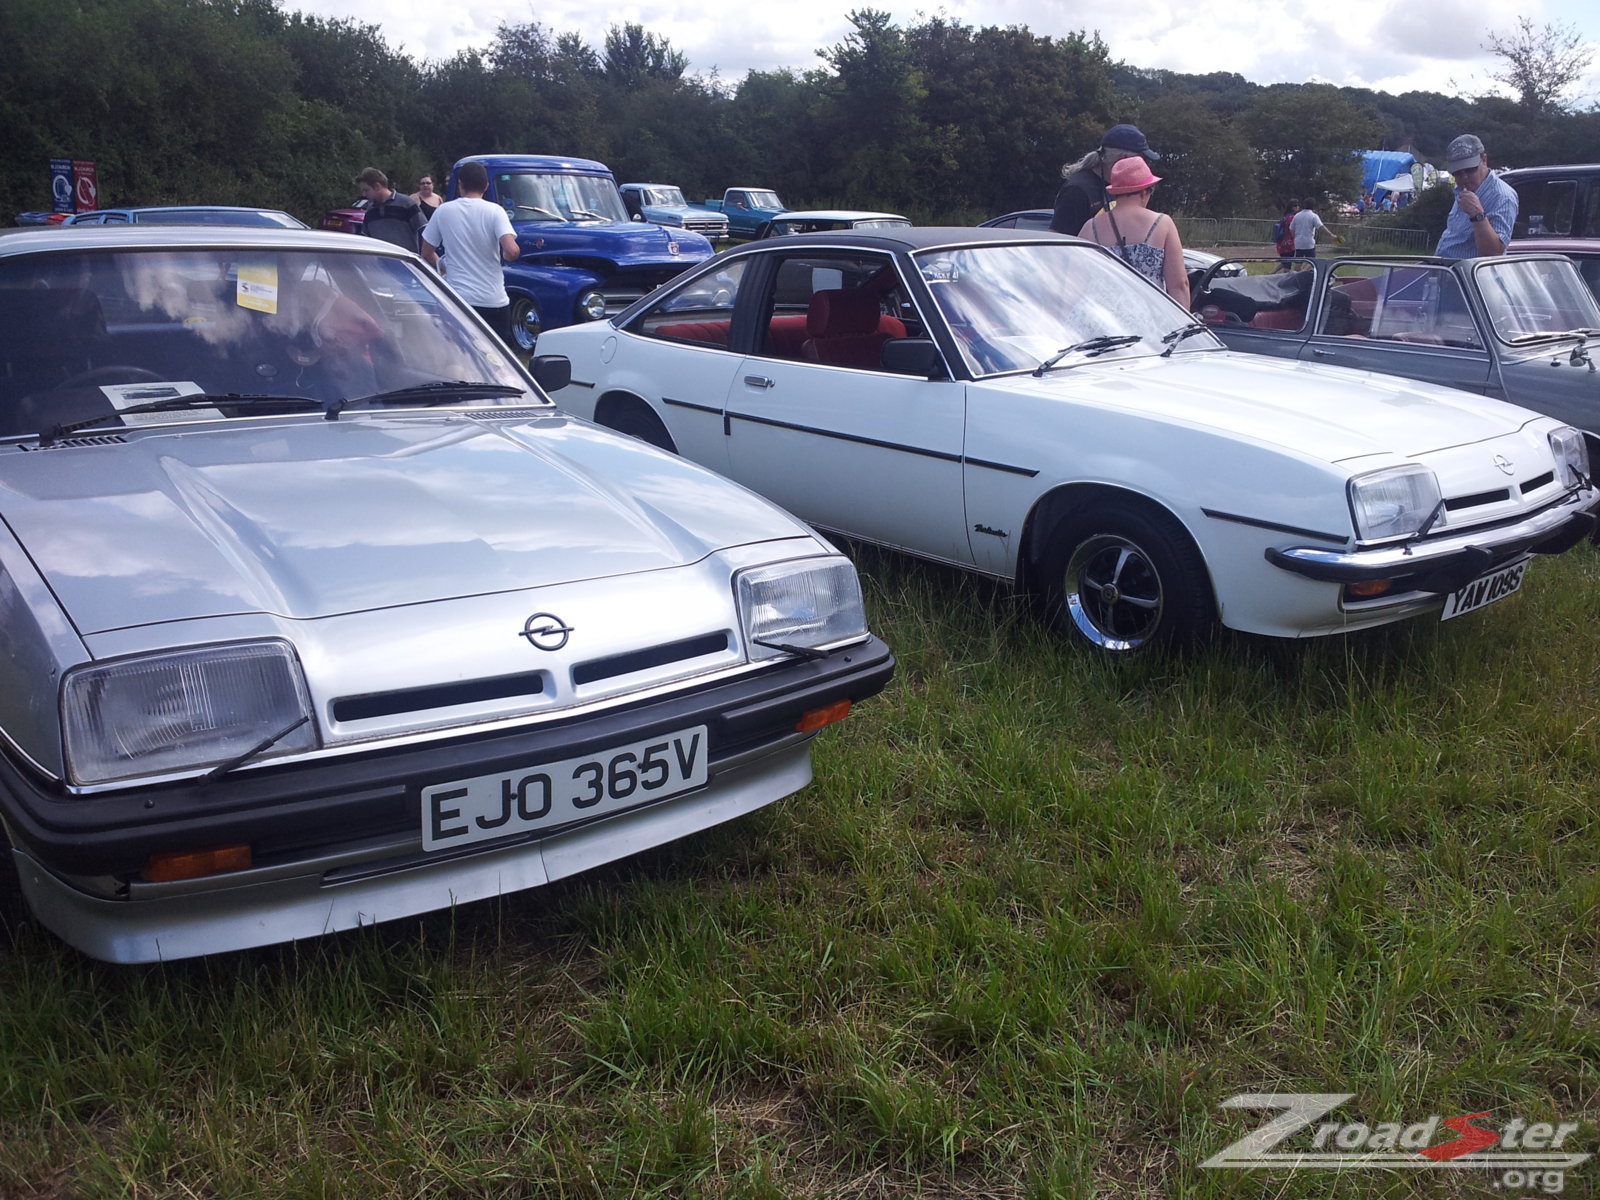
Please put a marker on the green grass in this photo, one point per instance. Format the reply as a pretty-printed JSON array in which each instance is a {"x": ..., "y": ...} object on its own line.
[{"x": 1035, "y": 919}]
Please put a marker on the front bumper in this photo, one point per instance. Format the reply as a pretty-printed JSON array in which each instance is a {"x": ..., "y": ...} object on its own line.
[
  {"x": 1444, "y": 564},
  {"x": 337, "y": 845}
]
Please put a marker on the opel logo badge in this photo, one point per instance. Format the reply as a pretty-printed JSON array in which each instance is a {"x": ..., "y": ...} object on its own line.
[
  {"x": 545, "y": 631},
  {"x": 1504, "y": 463}
]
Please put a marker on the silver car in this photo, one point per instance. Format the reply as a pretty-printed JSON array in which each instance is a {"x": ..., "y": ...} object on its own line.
[{"x": 318, "y": 613}]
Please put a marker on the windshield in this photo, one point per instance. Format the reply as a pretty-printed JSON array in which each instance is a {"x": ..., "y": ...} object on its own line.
[
  {"x": 1533, "y": 296},
  {"x": 667, "y": 197},
  {"x": 554, "y": 197},
  {"x": 1014, "y": 307},
  {"x": 95, "y": 333},
  {"x": 216, "y": 216},
  {"x": 763, "y": 199}
]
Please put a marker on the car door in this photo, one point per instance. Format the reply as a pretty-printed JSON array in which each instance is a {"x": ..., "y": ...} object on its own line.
[
  {"x": 818, "y": 425},
  {"x": 1261, "y": 314},
  {"x": 1408, "y": 319}
]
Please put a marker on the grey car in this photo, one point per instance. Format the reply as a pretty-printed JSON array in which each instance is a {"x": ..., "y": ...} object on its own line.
[
  {"x": 1521, "y": 328},
  {"x": 318, "y": 613}
]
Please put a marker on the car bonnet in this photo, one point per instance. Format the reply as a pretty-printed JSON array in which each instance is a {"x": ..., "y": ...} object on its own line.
[{"x": 312, "y": 518}]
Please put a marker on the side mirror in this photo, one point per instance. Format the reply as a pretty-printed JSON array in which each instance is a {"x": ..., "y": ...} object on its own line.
[
  {"x": 552, "y": 372},
  {"x": 913, "y": 356}
]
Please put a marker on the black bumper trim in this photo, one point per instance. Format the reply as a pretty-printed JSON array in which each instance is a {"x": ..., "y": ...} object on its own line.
[{"x": 296, "y": 807}]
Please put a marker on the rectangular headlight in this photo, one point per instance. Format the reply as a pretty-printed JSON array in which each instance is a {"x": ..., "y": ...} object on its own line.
[
  {"x": 182, "y": 710},
  {"x": 1572, "y": 455},
  {"x": 811, "y": 602},
  {"x": 1394, "y": 502}
]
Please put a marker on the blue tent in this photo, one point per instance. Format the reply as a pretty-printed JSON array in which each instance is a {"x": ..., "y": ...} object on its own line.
[{"x": 1382, "y": 164}]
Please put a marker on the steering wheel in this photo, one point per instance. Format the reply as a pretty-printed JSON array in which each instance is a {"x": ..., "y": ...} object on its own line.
[{"x": 113, "y": 373}]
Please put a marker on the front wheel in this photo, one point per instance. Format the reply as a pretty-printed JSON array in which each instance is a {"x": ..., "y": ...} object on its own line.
[
  {"x": 525, "y": 324},
  {"x": 1124, "y": 577}
]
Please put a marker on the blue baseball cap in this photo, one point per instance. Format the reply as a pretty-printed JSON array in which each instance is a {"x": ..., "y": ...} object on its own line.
[{"x": 1128, "y": 137}]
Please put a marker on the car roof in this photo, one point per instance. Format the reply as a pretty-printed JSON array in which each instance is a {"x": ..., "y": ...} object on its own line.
[
  {"x": 907, "y": 238},
  {"x": 44, "y": 239},
  {"x": 1558, "y": 168},
  {"x": 1555, "y": 245},
  {"x": 836, "y": 214},
  {"x": 160, "y": 208},
  {"x": 536, "y": 162}
]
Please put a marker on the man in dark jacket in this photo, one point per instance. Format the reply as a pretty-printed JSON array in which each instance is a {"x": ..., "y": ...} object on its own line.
[
  {"x": 391, "y": 216},
  {"x": 1084, "y": 192}
]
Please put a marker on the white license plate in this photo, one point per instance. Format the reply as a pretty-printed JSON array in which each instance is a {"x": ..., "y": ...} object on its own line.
[
  {"x": 551, "y": 794},
  {"x": 1485, "y": 589}
]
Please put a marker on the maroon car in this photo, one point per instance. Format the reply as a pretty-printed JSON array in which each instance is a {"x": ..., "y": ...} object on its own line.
[{"x": 346, "y": 220}]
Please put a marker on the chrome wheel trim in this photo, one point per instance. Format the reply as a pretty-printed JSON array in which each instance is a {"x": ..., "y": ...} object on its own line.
[
  {"x": 1113, "y": 593},
  {"x": 525, "y": 324}
]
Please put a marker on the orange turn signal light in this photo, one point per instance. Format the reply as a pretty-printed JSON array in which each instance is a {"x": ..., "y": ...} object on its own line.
[
  {"x": 193, "y": 864},
  {"x": 826, "y": 715},
  {"x": 1371, "y": 587}
]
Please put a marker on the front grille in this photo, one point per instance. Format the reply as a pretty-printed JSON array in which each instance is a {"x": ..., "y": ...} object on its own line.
[
  {"x": 1477, "y": 499},
  {"x": 443, "y": 695},
  {"x": 597, "y": 669},
  {"x": 1538, "y": 481}
]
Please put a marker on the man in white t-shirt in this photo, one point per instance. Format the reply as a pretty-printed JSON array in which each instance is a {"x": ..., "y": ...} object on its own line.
[
  {"x": 475, "y": 236},
  {"x": 1304, "y": 226}
]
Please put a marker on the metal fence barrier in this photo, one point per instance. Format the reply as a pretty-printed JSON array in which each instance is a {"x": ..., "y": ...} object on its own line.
[{"x": 1240, "y": 232}]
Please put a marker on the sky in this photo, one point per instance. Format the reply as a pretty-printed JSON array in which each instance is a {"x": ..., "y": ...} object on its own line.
[{"x": 1388, "y": 45}]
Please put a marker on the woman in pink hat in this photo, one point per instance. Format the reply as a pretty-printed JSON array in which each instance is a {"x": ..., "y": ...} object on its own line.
[{"x": 1147, "y": 241}]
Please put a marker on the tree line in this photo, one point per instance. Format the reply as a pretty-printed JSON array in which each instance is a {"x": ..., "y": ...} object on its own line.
[{"x": 242, "y": 102}]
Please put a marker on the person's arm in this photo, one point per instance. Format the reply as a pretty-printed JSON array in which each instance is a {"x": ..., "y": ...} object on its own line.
[
  {"x": 1491, "y": 224},
  {"x": 1322, "y": 227},
  {"x": 430, "y": 250},
  {"x": 1174, "y": 273},
  {"x": 509, "y": 250}
]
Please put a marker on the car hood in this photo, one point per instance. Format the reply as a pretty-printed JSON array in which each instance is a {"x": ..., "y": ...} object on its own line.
[
  {"x": 1325, "y": 413},
  {"x": 625, "y": 243},
  {"x": 306, "y": 519}
]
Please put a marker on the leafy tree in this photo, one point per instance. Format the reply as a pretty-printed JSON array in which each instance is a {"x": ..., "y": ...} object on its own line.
[
  {"x": 874, "y": 115},
  {"x": 634, "y": 57},
  {"x": 1540, "y": 65},
  {"x": 1308, "y": 138},
  {"x": 1207, "y": 166}
]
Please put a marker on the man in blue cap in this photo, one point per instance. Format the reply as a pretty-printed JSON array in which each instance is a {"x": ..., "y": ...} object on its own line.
[
  {"x": 1485, "y": 207},
  {"x": 1084, "y": 191}
]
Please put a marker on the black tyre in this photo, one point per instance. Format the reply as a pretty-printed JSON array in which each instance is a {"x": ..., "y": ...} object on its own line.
[
  {"x": 1124, "y": 577},
  {"x": 526, "y": 325},
  {"x": 635, "y": 420}
]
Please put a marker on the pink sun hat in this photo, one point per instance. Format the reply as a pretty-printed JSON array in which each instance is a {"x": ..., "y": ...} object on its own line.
[{"x": 1130, "y": 175}]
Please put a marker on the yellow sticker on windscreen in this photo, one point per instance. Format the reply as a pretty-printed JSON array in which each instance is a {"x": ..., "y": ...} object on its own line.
[{"x": 258, "y": 286}]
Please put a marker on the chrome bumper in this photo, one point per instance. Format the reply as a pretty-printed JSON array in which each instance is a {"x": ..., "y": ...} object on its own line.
[{"x": 1451, "y": 561}]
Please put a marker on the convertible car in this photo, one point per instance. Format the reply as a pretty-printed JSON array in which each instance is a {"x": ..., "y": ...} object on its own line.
[
  {"x": 1516, "y": 328},
  {"x": 1025, "y": 406},
  {"x": 318, "y": 613}
]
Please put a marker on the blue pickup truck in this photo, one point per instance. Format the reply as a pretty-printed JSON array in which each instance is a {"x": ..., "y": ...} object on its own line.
[
  {"x": 582, "y": 258},
  {"x": 748, "y": 209}
]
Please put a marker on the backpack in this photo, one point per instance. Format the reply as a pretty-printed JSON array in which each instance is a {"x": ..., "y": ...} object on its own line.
[{"x": 1277, "y": 231}]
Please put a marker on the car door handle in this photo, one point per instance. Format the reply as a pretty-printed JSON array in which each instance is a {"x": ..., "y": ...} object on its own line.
[
  {"x": 1315, "y": 353},
  {"x": 758, "y": 381}
]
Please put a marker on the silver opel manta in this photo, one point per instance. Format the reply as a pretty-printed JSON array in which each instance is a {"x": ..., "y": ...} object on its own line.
[{"x": 317, "y": 613}]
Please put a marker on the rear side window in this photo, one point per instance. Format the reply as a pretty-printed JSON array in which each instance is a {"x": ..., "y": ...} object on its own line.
[
  {"x": 700, "y": 312},
  {"x": 1545, "y": 207}
]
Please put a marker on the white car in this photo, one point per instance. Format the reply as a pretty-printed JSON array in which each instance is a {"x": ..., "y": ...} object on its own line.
[
  {"x": 318, "y": 613},
  {"x": 1024, "y": 406}
]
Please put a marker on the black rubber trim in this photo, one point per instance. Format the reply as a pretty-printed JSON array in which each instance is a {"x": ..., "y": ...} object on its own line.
[
  {"x": 1029, "y": 472},
  {"x": 302, "y": 807},
  {"x": 705, "y": 408},
  {"x": 941, "y": 455},
  {"x": 1339, "y": 539}
]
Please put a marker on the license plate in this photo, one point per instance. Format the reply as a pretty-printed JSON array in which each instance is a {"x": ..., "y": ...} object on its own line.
[
  {"x": 1485, "y": 589},
  {"x": 550, "y": 794}
]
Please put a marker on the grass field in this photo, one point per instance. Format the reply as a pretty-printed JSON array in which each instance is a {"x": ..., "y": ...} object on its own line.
[{"x": 1038, "y": 916}]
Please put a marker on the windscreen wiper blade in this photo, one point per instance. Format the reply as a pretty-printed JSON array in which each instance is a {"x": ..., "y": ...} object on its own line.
[
  {"x": 1092, "y": 347},
  {"x": 178, "y": 404},
  {"x": 437, "y": 392},
  {"x": 1181, "y": 333}
]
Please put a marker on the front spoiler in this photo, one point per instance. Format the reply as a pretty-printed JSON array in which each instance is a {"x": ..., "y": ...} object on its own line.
[{"x": 1445, "y": 564}]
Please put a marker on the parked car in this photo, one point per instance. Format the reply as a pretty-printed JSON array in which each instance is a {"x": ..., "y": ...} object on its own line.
[
  {"x": 747, "y": 209},
  {"x": 41, "y": 218},
  {"x": 582, "y": 257},
  {"x": 1516, "y": 328},
  {"x": 348, "y": 219},
  {"x": 318, "y": 613},
  {"x": 663, "y": 204},
  {"x": 825, "y": 220},
  {"x": 1584, "y": 253},
  {"x": 1194, "y": 261},
  {"x": 1024, "y": 406},
  {"x": 1556, "y": 202},
  {"x": 188, "y": 214}
]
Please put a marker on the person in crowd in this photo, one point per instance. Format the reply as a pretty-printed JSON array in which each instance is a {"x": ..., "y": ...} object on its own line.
[
  {"x": 1147, "y": 241},
  {"x": 391, "y": 217},
  {"x": 475, "y": 237},
  {"x": 1485, "y": 206},
  {"x": 1083, "y": 192},
  {"x": 1284, "y": 245},
  {"x": 427, "y": 199},
  {"x": 1306, "y": 225}
]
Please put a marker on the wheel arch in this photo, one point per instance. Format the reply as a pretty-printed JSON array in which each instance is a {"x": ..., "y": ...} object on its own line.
[
  {"x": 1054, "y": 506},
  {"x": 615, "y": 407}
]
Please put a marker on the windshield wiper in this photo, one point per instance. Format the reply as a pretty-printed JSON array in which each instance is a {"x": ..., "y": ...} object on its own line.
[
  {"x": 584, "y": 212},
  {"x": 1092, "y": 347},
  {"x": 1523, "y": 339},
  {"x": 1424, "y": 528},
  {"x": 178, "y": 404},
  {"x": 436, "y": 392},
  {"x": 1181, "y": 333}
]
